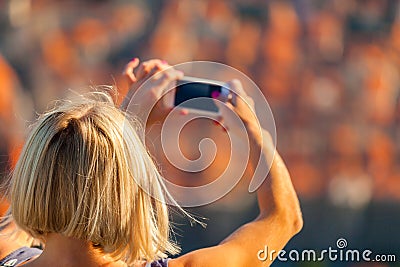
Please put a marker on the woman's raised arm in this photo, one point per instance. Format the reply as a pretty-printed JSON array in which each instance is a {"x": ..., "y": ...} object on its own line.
[{"x": 280, "y": 215}]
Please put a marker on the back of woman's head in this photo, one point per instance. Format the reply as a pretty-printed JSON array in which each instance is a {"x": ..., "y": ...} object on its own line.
[{"x": 85, "y": 173}]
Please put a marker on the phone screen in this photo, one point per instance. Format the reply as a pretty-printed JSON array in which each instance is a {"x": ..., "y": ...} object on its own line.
[{"x": 201, "y": 93}]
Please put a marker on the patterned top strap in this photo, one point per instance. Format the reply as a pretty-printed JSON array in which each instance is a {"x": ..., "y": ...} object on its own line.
[
  {"x": 19, "y": 256},
  {"x": 159, "y": 263}
]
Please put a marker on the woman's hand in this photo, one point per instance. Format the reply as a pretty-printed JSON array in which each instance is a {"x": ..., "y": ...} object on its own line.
[
  {"x": 153, "y": 77},
  {"x": 243, "y": 106}
]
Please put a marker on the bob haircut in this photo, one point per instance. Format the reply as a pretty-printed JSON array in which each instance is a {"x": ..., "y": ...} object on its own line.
[{"x": 85, "y": 173}]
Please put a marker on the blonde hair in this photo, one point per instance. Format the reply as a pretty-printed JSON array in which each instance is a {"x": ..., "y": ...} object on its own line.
[{"x": 85, "y": 173}]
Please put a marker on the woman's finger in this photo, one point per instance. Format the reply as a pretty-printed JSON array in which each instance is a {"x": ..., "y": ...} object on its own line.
[
  {"x": 221, "y": 104},
  {"x": 157, "y": 67},
  {"x": 146, "y": 68},
  {"x": 237, "y": 91},
  {"x": 128, "y": 71},
  {"x": 237, "y": 86},
  {"x": 167, "y": 76}
]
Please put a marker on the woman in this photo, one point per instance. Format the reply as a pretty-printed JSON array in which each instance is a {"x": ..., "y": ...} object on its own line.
[{"x": 82, "y": 186}]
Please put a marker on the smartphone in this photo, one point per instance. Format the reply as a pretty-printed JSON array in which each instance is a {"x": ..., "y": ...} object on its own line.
[{"x": 196, "y": 95}]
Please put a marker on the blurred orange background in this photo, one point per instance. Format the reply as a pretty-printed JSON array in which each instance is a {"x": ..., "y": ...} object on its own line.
[{"x": 329, "y": 69}]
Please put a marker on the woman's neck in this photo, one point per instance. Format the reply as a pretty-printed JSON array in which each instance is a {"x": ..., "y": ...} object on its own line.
[{"x": 68, "y": 252}]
